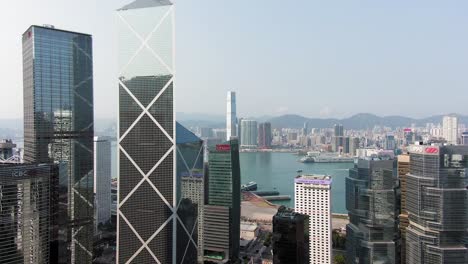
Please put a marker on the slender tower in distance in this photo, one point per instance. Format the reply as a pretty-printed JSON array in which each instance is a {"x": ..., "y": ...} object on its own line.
[{"x": 231, "y": 118}]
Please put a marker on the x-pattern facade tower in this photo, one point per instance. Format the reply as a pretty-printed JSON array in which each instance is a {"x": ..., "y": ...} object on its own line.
[{"x": 148, "y": 222}]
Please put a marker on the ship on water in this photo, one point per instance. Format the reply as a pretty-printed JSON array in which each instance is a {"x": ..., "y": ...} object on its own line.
[
  {"x": 314, "y": 157},
  {"x": 251, "y": 186}
]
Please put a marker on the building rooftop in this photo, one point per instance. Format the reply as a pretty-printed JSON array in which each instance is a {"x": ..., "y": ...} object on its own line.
[
  {"x": 246, "y": 226},
  {"x": 50, "y": 27},
  {"x": 314, "y": 179},
  {"x": 145, "y": 4}
]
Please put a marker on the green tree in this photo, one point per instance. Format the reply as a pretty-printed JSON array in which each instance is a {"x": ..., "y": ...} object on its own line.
[{"x": 339, "y": 259}]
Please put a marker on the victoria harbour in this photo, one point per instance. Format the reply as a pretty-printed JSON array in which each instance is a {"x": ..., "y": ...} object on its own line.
[{"x": 275, "y": 171}]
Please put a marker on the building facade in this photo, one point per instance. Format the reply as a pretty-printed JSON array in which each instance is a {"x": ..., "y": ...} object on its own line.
[
  {"x": 26, "y": 212},
  {"x": 158, "y": 231},
  {"x": 464, "y": 139},
  {"x": 191, "y": 191},
  {"x": 264, "y": 135},
  {"x": 290, "y": 236},
  {"x": 249, "y": 134},
  {"x": 450, "y": 129},
  {"x": 371, "y": 201},
  {"x": 223, "y": 198},
  {"x": 102, "y": 179},
  {"x": 6, "y": 149},
  {"x": 403, "y": 170},
  {"x": 231, "y": 117},
  {"x": 58, "y": 127},
  {"x": 436, "y": 202},
  {"x": 312, "y": 197}
]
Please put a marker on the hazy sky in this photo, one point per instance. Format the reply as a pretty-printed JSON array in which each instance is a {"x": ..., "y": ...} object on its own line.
[{"x": 315, "y": 58}]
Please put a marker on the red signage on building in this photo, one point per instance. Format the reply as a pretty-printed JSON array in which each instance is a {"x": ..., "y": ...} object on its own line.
[
  {"x": 432, "y": 150},
  {"x": 223, "y": 147}
]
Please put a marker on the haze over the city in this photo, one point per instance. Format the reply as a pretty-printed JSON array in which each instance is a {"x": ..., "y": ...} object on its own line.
[{"x": 304, "y": 57}]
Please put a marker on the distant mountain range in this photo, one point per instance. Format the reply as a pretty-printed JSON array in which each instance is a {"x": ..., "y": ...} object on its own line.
[{"x": 358, "y": 121}]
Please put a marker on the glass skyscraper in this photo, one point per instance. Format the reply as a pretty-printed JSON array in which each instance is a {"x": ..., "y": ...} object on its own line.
[
  {"x": 58, "y": 127},
  {"x": 436, "y": 202},
  {"x": 26, "y": 212},
  {"x": 222, "y": 209},
  {"x": 154, "y": 224},
  {"x": 190, "y": 194},
  {"x": 371, "y": 201}
]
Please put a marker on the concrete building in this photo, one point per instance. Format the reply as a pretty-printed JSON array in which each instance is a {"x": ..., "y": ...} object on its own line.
[
  {"x": 450, "y": 129},
  {"x": 222, "y": 209},
  {"x": 249, "y": 134},
  {"x": 312, "y": 197},
  {"x": 231, "y": 117},
  {"x": 371, "y": 201},
  {"x": 102, "y": 179},
  {"x": 289, "y": 241},
  {"x": 437, "y": 202}
]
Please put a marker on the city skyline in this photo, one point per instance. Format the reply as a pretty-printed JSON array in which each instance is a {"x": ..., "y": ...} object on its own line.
[{"x": 422, "y": 51}]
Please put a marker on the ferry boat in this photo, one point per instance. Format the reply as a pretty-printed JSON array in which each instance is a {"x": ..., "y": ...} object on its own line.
[
  {"x": 251, "y": 186},
  {"x": 326, "y": 158}
]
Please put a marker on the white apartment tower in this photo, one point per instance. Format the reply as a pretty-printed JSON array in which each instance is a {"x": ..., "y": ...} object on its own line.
[
  {"x": 231, "y": 118},
  {"x": 102, "y": 179},
  {"x": 450, "y": 129},
  {"x": 312, "y": 197}
]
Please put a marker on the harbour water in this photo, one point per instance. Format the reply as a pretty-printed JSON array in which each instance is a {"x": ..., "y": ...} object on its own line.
[{"x": 274, "y": 171}]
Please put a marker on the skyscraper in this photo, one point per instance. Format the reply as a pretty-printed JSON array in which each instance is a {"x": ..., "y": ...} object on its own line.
[
  {"x": 436, "y": 201},
  {"x": 231, "y": 118},
  {"x": 147, "y": 220},
  {"x": 403, "y": 170},
  {"x": 289, "y": 239},
  {"x": 102, "y": 179},
  {"x": 191, "y": 193},
  {"x": 264, "y": 135},
  {"x": 450, "y": 129},
  {"x": 58, "y": 127},
  {"x": 6, "y": 149},
  {"x": 312, "y": 197},
  {"x": 222, "y": 209},
  {"x": 464, "y": 139},
  {"x": 249, "y": 134},
  {"x": 26, "y": 212},
  {"x": 338, "y": 130},
  {"x": 371, "y": 201},
  {"x": 390, "y": 143}
]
